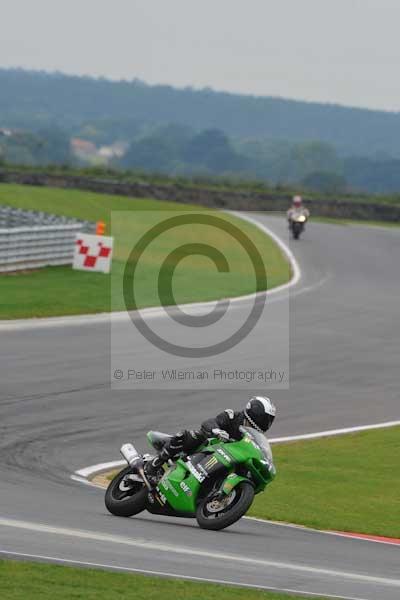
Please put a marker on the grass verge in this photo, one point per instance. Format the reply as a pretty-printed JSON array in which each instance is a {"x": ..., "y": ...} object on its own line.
[
  {"x": 61, "y": 291},
  {"x": 37, "y": 581},
  {"x": 344, "y": 483}
]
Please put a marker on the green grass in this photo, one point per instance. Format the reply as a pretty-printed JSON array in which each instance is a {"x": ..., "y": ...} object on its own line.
[
  {"x": 346, "y": 483},
  {"x": 61, "y": 291},
  {"x": 36, "y": 581}
]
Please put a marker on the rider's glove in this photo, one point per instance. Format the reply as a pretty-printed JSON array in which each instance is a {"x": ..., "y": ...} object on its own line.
[{"x": 221, "y": 434}]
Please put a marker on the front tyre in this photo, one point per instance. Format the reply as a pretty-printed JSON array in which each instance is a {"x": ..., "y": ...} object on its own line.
[
  {"x": 216, "y": 515},
  {"x": 125, "y": 498},
  {"x": 296, "y": 230}
]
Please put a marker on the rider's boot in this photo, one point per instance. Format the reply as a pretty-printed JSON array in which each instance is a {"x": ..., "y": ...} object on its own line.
[{"x": 155, "y": 465}]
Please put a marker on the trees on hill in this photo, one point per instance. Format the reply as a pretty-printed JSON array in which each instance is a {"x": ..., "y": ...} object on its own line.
[
  {"x": 188, "y": 132},
  {"x": 32, "y": 100}
]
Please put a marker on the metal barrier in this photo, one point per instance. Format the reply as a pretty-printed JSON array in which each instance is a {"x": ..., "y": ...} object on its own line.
[{"x": 29, "y": 239}]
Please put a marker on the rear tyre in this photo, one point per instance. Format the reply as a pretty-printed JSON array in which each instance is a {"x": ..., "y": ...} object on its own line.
[
  {"x": 125, "y": 499},
  {"x": 240, "y": 500}
]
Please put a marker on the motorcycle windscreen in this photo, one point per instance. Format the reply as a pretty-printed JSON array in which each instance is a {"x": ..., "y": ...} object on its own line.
[{"x": 261, "y": 441}]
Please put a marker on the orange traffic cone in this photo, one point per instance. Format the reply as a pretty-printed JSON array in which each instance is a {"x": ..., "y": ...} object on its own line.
[{"x": 100, "y": 228}]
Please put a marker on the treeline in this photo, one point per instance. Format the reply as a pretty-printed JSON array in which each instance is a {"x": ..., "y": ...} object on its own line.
[
  {"x": 45, "y": 146},
  {"x": 176, "y": 150},
  {"x": 197, "y": 133},
  {"x": 32, "y": 100}
]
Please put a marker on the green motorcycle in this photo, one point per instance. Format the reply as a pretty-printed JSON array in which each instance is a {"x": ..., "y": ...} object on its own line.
[{"x": 216, "y": 485}]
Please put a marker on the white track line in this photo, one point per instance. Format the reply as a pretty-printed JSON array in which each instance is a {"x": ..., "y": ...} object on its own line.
[
  {"x": 306, "y": 529},
  {"x": 152, "y": 546},
  {"x": 172, "y": 575},
  {"x": 296, "y": 271},
  {"x": 87, "y": 481},
  {"x": 193, "y": 308},
  {"x": 88, "y": 471},
  {"x": 334, "y": 432}
]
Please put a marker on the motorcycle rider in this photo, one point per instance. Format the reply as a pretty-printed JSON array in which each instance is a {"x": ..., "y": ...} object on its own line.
[
  {"x": 297, "y": 209},
  {"x": 259, "y": 413}
]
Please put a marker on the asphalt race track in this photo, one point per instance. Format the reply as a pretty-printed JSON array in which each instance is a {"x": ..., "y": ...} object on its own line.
[{"x": 58, "y": 415}]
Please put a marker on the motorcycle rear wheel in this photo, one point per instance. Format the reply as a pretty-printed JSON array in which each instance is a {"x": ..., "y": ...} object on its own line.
[
  {"x": 244, "y": 496},
  {"x": 125, "y": 502}
]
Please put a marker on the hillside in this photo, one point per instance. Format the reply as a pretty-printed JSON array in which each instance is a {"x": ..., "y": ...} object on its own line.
[{"x": 34, "y": 100}]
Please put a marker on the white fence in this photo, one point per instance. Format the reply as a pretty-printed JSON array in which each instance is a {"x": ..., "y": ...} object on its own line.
[
  {"x": 40, "y": 240},
  {"x": 33, "y": 247}
]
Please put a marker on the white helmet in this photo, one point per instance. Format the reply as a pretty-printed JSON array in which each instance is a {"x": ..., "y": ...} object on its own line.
[
  {"x": 260, "y": 412},
  {"x": 297, "y": 200}
]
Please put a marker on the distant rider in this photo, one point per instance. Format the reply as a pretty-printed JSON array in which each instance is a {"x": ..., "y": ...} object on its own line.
[
  {"x": 297, "y": 209},
  {"x": 258, "y": 413}
]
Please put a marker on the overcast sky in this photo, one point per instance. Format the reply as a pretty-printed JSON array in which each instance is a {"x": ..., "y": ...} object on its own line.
[{"x": 345, "y": 51}]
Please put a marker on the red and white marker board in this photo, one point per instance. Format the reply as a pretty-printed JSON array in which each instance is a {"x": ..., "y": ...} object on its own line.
[{"x": 93, "y": 253}]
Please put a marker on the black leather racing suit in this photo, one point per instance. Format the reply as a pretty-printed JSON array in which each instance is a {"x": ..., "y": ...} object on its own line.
[{"x": 189, "y": 440}]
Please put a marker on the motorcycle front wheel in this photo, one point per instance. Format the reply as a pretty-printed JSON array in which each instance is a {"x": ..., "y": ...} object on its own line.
[
  {"x": 296, "y": 232},
  {"x": 216, "y": 515},
  {"x": 125, "y": 498}
]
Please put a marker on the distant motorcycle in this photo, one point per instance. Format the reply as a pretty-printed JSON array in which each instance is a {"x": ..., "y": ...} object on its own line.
[
  {"x": 216, "y": 485},
  {"x": 297, "y": 224}
]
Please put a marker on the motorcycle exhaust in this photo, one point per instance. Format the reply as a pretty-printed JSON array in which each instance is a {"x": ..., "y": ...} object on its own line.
[
  {"x": 129, "y": 453},
  {"x": 134, "y": 459}
]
